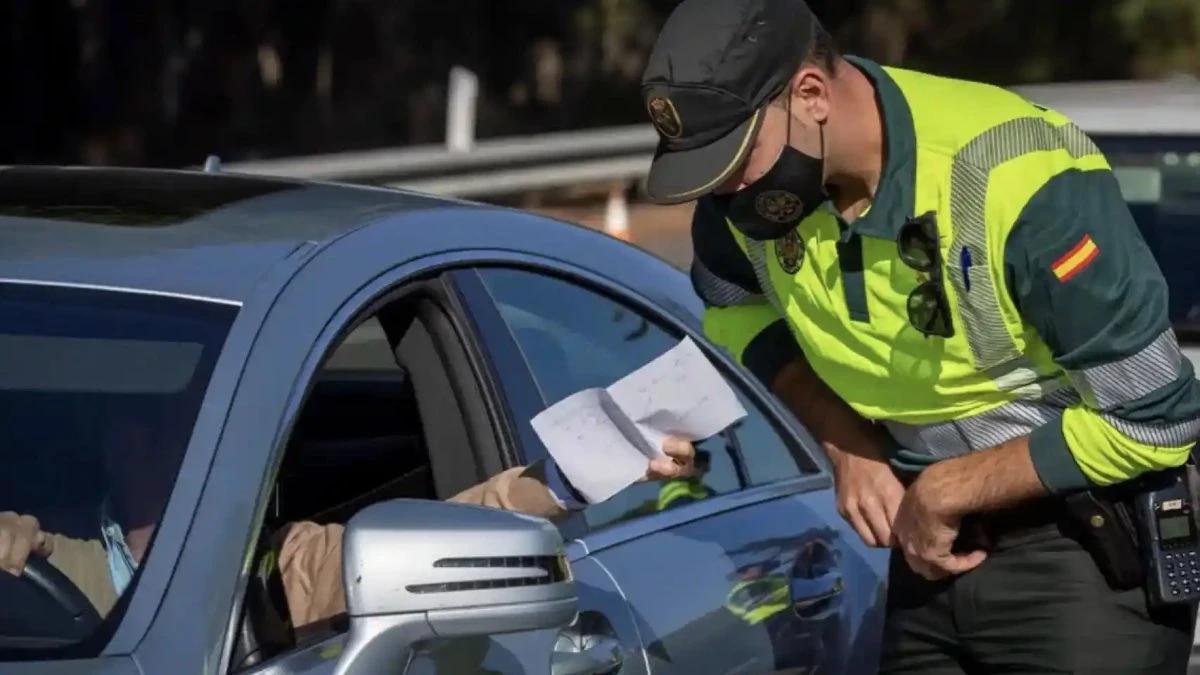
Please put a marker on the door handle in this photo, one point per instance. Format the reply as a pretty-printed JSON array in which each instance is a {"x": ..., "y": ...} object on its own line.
[
  {"x": 809, "y": 595},
  {"x": 585, "y": 655}
]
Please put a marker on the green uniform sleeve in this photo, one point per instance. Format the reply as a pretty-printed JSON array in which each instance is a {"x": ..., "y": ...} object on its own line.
[
  {"x": 737, "y": 315},
  {"x": 1081, "y": 274}
]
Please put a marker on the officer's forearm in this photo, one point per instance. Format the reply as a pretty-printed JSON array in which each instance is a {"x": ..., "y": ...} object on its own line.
[
  {"x": 987, "y": 480},
  {"x": 830, "y": 419}
]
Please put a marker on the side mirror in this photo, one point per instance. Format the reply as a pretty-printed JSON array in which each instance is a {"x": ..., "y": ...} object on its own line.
[{"x": 417, "y": 570}]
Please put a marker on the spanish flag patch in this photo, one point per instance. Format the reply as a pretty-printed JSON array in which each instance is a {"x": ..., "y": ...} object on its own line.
[{"x": 1077, "y": 259}]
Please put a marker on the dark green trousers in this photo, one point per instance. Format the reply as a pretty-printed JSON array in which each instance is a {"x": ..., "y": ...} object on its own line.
[{"x": 1038, "y": 604}]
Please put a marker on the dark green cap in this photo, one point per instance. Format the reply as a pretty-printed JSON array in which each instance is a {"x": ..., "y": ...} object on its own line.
[{"x": 715, "y": 67}]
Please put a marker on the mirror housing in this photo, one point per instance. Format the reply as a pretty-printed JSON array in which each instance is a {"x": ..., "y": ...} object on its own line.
[{"x": 418, "y": 570}]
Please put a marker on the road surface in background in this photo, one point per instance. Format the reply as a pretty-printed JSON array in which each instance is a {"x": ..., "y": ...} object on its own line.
[{"x": 663, "y": 230}]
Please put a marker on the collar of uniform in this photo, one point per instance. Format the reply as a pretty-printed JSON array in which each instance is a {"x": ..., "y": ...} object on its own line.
[{"x": 893, "y": 202}]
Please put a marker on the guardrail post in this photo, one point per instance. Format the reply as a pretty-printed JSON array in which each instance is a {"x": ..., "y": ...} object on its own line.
[{"x": 461, "y": 98}]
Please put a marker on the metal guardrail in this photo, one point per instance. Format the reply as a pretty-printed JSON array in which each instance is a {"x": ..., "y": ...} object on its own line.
[
  {"x": 491, "y": 167},
  {"x": 464, "y": 168}
]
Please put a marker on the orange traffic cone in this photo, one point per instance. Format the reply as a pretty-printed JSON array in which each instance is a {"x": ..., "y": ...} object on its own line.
[{"x": 616, "y": 214}]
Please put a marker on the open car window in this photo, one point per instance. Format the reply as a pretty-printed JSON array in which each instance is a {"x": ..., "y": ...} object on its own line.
[
  {"x": 572, "y": 338},
  {"x": 99, "y": 392}
]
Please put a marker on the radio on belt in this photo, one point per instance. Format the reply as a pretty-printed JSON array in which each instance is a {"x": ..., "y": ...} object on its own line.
[{"x": 1170, "y": 544}]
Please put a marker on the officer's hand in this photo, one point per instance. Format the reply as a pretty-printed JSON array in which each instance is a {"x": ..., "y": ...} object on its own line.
[
  {"x": 925, "y": 534},
  {"x": 680, "y": 461},
  {"x": 868, "y": 494},
  {"x": 20, "y": 536}
]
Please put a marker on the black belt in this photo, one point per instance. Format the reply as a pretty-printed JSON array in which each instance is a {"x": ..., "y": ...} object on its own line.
[{"x": 1036, "y": 520}]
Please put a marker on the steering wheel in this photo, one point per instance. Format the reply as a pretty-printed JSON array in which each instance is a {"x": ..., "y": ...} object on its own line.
[{"x": 76, "y": 613}]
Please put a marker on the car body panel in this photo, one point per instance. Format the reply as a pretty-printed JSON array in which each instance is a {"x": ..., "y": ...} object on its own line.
[
  {"x": 220, "y": 248},
  {"x": 317, "y": 659},
  {"x": 115, "y": 665},
  {"x": 728, "y": 579}
]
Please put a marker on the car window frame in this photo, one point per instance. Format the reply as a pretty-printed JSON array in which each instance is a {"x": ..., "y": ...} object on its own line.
[
  {"x": 356, "y": 312},
  {"x": 501, "y": 350}
]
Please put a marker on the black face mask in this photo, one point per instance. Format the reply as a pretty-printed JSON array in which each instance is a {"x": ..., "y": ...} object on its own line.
[{"x": 774, "y": 205}]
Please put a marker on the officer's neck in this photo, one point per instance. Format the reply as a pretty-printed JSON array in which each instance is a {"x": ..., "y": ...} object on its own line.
[{"x": 854, "y": 142}]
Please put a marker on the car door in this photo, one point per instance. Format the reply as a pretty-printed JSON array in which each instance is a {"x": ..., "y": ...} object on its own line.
[
  {"x": 747, "y": 569},
  {"x": 602, "y": 609},
  {"x": 366, "y": 339}
]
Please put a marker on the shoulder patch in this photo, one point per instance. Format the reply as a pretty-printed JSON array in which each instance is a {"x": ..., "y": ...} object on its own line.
[{"x": 1076, "y": 260}]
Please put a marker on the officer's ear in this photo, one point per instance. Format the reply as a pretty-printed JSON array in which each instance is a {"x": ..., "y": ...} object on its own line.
[{"x": 810, "y": 89}]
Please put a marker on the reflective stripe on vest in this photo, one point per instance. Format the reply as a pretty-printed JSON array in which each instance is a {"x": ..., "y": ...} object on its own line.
[
  {"x": 1103, "y": 388},
  {"x": 718, "y": 292},
  {"x": 999, "y": 425},
  {"x": 1109, "y": 385},
  {"x": 1020, "y": 418},
  {"x": 756, "y": 251},
  {"x": 979, "y": 311}
]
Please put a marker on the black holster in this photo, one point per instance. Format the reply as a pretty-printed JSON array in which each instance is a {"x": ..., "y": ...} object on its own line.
[{"x": 1105, "y": 526}]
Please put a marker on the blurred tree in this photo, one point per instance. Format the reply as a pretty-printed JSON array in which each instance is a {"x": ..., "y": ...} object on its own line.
[
  {"x": 1011, "y": 41},
  {"x": 168, "y": 81},
  {"x": 1167, "y": 35}
]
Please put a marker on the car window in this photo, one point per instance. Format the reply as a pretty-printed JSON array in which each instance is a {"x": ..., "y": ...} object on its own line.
[
  {"x": 1160, "y": 179},
  {"x": 573, "y": 338},
  {"x": 99, "y": 392}
]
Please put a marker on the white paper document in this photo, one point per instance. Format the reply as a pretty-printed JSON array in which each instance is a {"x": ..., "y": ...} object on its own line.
[{"x": 602, "y": 439}]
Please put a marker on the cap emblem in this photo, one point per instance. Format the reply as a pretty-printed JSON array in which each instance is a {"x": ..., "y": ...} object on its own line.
[{"x": 665, "y": 117}]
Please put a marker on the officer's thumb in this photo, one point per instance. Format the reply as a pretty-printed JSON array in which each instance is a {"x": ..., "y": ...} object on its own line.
[{"x": 964, "y": 562}]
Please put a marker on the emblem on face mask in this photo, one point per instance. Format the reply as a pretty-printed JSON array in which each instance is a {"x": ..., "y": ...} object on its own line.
[
  {"x": 789, "y": 251},
  {"x": 665, "y": 117},
  {"x": 779, "y": 206}
]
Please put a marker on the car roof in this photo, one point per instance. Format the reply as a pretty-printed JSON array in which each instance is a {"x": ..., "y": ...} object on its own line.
[
  {"x": 207, "y": 235},
  {"x": 1168, "y": 107}
]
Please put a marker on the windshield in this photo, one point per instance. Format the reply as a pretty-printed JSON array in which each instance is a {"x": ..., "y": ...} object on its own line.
[
  {"x": 1160, "y": 178},
  {"x": 99, "y": 391}
]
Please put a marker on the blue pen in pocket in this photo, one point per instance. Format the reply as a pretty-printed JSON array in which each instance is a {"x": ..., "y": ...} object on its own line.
[{"x": 964, "y": 260}]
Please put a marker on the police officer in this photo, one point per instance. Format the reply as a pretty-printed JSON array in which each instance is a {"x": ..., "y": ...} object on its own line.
[{"x": 942, "y": 281}]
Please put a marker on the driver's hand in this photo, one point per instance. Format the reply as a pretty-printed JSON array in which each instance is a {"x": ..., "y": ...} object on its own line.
[
  {"x": 680, "y": 461},
  {"x": 20, "y": 536}
]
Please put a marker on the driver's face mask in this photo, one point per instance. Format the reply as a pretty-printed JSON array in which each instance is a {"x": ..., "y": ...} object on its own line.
[
  {"x": 121, "y": 566},
  {"x": 789, "y": 192}
]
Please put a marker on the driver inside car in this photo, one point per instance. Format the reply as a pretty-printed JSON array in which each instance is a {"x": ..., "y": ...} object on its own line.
[{"x": 310, "y": 555}]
